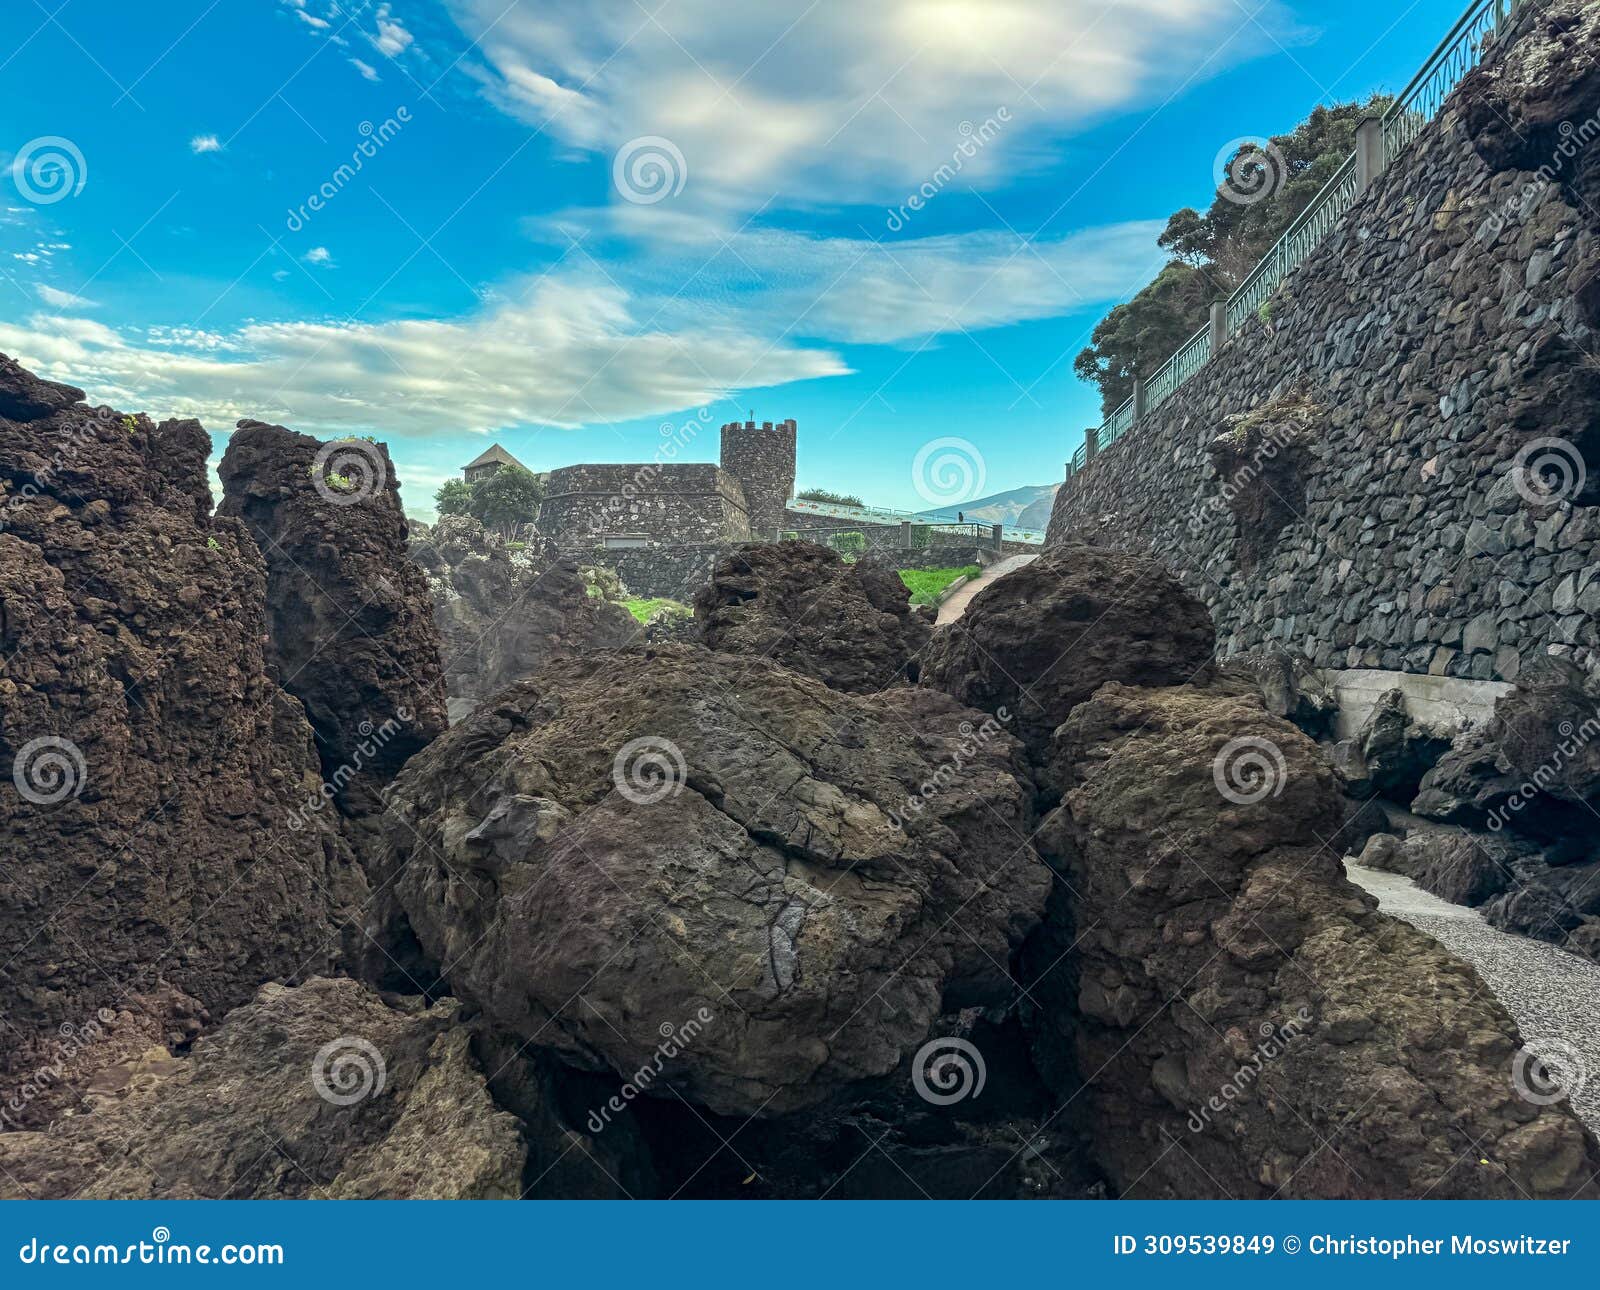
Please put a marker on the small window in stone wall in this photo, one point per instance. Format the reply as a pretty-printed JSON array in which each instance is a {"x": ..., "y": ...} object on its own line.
[
  {"x": 623, "y": 541},
  {"x": 1261, "y": 458}
]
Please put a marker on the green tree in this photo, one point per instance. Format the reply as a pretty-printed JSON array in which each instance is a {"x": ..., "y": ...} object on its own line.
[
  {"x": 1214, "y": 252},
  {"x": 453, "y": 498},
  {"x": 506, "y": 500}
]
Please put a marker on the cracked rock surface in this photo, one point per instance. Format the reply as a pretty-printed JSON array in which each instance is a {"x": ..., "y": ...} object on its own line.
[
  {"x": 1207, "y": 928},
  {"x": 751, "y": 872},
  {"x": 849, "y": 625},
  {"x": 152, "y": 859},
  {"x": 248, "y": 1115},
  {"x": 1046, "y": 636}
]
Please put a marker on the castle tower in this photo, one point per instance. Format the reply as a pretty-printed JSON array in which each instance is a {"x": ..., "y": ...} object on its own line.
[{"x": 761, "y": 458}]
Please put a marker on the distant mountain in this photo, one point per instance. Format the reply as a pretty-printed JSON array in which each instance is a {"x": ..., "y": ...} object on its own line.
[{"x": 1022, "y": 508}]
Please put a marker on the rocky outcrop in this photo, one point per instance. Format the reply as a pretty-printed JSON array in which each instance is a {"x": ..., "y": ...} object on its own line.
[
  {"x": 503, "y": 615},
  {"x": 1522, "y": 113},
  {"x": 349, "y": 615},
  {"x": 1396, "y": 750},
  {"x": 1246, "y": 1023},
  {"x": 1548, "y": 731},
  {"x": 1288, "y": 684},
  {"x": 849, "y": 625},
  {"x": 151, "y": 773},
  {"x": 786, "y": 883},
  {"x": 1045, "y": 637},
  {"x": 319, "y": 1092}
]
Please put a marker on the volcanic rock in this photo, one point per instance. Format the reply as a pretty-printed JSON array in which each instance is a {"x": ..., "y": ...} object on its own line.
[
  {"x": 349, "y": 615},
  {"x": 501, "y": 616},
  {"x": 1046, "y": 636},
  {"x": 1288, "y": 683},
  {"x": 323, "y": 1091},
  {"x": 849, "y": 625},
  {"x": 1396, "y": 750},
  {"x": 26, "y": 397},
  {"x": 151, "y": 774},
  {"x": 1240, "y": 1005},
  {"x": 787, "y": 882},
  {"x": 1548, "y": 730}
]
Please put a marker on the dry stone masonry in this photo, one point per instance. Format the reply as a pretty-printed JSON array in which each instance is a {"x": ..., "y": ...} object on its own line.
[{"x": 1396, "y": 463}]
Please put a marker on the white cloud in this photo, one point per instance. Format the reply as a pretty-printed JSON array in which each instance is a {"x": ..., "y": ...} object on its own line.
[
  {"x": 816, "y": 103},
  {"x": 280, "y": 275},
  {"x": 556, "y": 353},
  {"x": 367, "y": 70},
  {"x": 58, "y": 299},
  {"x": 318, "y": 255},
  {"x": 392, "y": 38},
  {"x": 203, "y": 143}
]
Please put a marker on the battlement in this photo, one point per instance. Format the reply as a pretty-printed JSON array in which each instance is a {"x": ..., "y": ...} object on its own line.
[{"x": 762, "y": 458}]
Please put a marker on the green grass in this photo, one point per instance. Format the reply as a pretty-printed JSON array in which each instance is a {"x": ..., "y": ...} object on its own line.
[
  {"x": 926, "y": 584},
  {"x": 645, "y": 610}
]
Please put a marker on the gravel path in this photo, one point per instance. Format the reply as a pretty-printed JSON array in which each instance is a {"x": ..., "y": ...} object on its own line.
[
  {"x": 953, "y": 608},
  {"x": 1552, "y": 994}
]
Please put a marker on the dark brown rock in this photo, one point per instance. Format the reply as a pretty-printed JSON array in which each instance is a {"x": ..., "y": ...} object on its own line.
[
  {"x": 350, "y": 619},
  {"x": 318, "y": 1092},
  {"x": 1239, "y": 1004},
  {"x": 792, "y": 880},
  {"x": 26, "y": 397},
  {"x": 156, "y": 854},
  {"x": 1548, "y": 730},
  {"x": 849, "y": 625},
  {"x": 1046, "y": 636}
]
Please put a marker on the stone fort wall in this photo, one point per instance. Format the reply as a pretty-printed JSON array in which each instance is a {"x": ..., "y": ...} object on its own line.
[
  {"x": 1349, "y": 475},
  {"x": 685, "y": 503}
]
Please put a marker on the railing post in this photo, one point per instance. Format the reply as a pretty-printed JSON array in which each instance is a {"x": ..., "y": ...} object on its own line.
[
  {"x": 1138, "y": 400},
  {"x": 905, "y": 535},
  {"x": 1219, "y": 325},
  {"x": 1369, "y": 152},
  {"x": 999, "y": 538},
  {"x": 1091, "y": 443},
  {"x": 1068, "y": 475}
]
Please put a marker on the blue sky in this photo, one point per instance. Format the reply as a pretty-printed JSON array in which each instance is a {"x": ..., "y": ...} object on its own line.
[{"x": 510, "y": 263}]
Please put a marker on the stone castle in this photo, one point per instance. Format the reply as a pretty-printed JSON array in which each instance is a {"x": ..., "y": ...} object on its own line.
[{"x": 619, "y": 507}]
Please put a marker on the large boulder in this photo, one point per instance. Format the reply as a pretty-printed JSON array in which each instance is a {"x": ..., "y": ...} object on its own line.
[
  {"x": 1042, "y": 639},
  {"x": 320, "y": 1092},
  {"x": 1466, "y": 784},
  {"x": 350, "y": 619},
  {"x": 1289, "y": 684},
  {"x": 151, "y": 772},
  {"x": 1246, "y": 1022},
  {"x": 1548, "y": 730},
  {"x": 787, "y": 883},
  {"x": 1396, "y": 750},
  {"x": 502, "y": 615},
  {"x": 849, "y": 625}
]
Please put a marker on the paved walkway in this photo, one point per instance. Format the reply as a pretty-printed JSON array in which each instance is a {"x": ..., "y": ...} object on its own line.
[
  {"x": 1552, "y": 994},
  {"x": 953, "y": 608}
]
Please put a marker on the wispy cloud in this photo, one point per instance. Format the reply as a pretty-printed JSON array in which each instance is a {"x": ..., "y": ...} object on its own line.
[
  {"x": 58, "y": 299},
  {"x": 319, "y": 255},
  {"x": 826, "y": 103},
  {"x": 367, "y": 70},
  {"x": 203, "y": 143},
  {"x": 555, "y": 354}
]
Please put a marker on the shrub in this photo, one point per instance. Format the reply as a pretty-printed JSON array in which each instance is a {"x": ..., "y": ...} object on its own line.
[{"x": 829, "y": 496}]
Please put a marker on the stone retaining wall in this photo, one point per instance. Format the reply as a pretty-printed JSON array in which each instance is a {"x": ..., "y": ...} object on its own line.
[{"x": 1371, "y": 512}]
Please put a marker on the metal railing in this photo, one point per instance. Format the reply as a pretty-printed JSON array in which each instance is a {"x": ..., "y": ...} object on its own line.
[
  {"x": 885, "y": 537},
  {"x": 1456, "y": 55}
]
